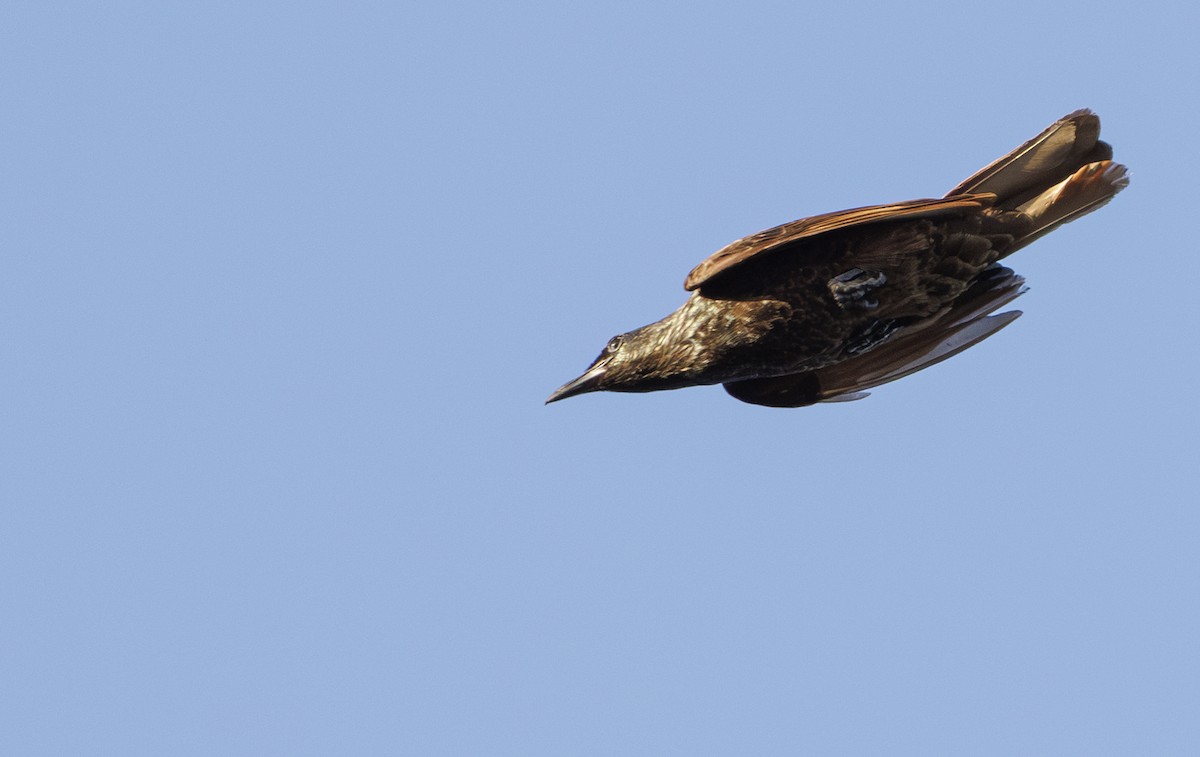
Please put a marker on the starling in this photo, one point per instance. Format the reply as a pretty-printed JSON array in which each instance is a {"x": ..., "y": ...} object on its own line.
[{"x": 821, "y": 309}]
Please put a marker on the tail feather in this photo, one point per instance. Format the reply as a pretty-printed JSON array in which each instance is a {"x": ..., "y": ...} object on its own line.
[{"x": 1087, "y": 189}]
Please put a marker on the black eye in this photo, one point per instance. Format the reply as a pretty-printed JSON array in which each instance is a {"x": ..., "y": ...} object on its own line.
[{"x": 614, "y": 344}]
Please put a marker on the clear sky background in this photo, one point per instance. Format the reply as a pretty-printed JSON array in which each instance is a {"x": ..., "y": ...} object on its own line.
[{"x": 284, "y": 285}]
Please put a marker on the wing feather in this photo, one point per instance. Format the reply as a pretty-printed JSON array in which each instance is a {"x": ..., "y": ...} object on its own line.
[
  {"x": 749, "y": 247},
  {"x": 1038, "y": 161}
]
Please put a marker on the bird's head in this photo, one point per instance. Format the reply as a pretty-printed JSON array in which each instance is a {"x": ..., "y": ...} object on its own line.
[
  {"x": 631, "y": 362},
  {"x": 697, "y": 344}
]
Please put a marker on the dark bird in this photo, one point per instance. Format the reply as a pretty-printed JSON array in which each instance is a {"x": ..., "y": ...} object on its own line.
[{"x": 820, "y": 309}]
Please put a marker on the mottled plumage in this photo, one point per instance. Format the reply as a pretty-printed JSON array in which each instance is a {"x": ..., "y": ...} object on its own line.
[{"x": 820, "y": 309}]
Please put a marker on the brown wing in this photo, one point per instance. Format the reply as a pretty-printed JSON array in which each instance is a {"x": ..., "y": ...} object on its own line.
[
  {"x": 1047, "y": 158},
  {"x": 964, "y": 324},
  {"x": 748, "y": 247}
]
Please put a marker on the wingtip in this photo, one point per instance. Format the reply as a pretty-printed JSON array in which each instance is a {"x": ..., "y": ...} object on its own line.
[
  {"x": 1057, "y": 148},
  {"x": 1080, "y": 114},
  {"x": 848, "y": 397}
]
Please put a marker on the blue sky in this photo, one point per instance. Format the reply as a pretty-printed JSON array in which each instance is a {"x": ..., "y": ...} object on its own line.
[{"x": 284, "y": 286}]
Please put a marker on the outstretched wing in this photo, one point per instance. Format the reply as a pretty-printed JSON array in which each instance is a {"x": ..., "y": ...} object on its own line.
[{"x": 764, "y": 241}]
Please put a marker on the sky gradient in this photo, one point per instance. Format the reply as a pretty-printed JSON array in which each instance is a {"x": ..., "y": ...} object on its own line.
[{"x": 284, "y": 286}]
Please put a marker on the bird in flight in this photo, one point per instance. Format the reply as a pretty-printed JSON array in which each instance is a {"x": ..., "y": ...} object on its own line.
[{"x": 824, "y": 308}]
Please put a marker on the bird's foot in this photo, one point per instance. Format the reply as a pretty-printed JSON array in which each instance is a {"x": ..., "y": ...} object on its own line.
[{"x": 850, "y": 289}]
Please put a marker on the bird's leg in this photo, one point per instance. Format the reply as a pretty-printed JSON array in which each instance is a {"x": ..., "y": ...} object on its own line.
[{"x": 850, "y": 289}]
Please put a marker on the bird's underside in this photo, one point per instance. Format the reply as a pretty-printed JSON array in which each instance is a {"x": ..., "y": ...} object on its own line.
[{"x": 826, "y": 307}]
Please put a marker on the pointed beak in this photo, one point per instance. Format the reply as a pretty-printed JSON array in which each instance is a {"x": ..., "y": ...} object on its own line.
[{"x": 588, "y": 382}]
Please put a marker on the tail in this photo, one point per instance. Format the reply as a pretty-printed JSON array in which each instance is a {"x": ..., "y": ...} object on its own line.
[{"x": 1061, "y": 174}]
